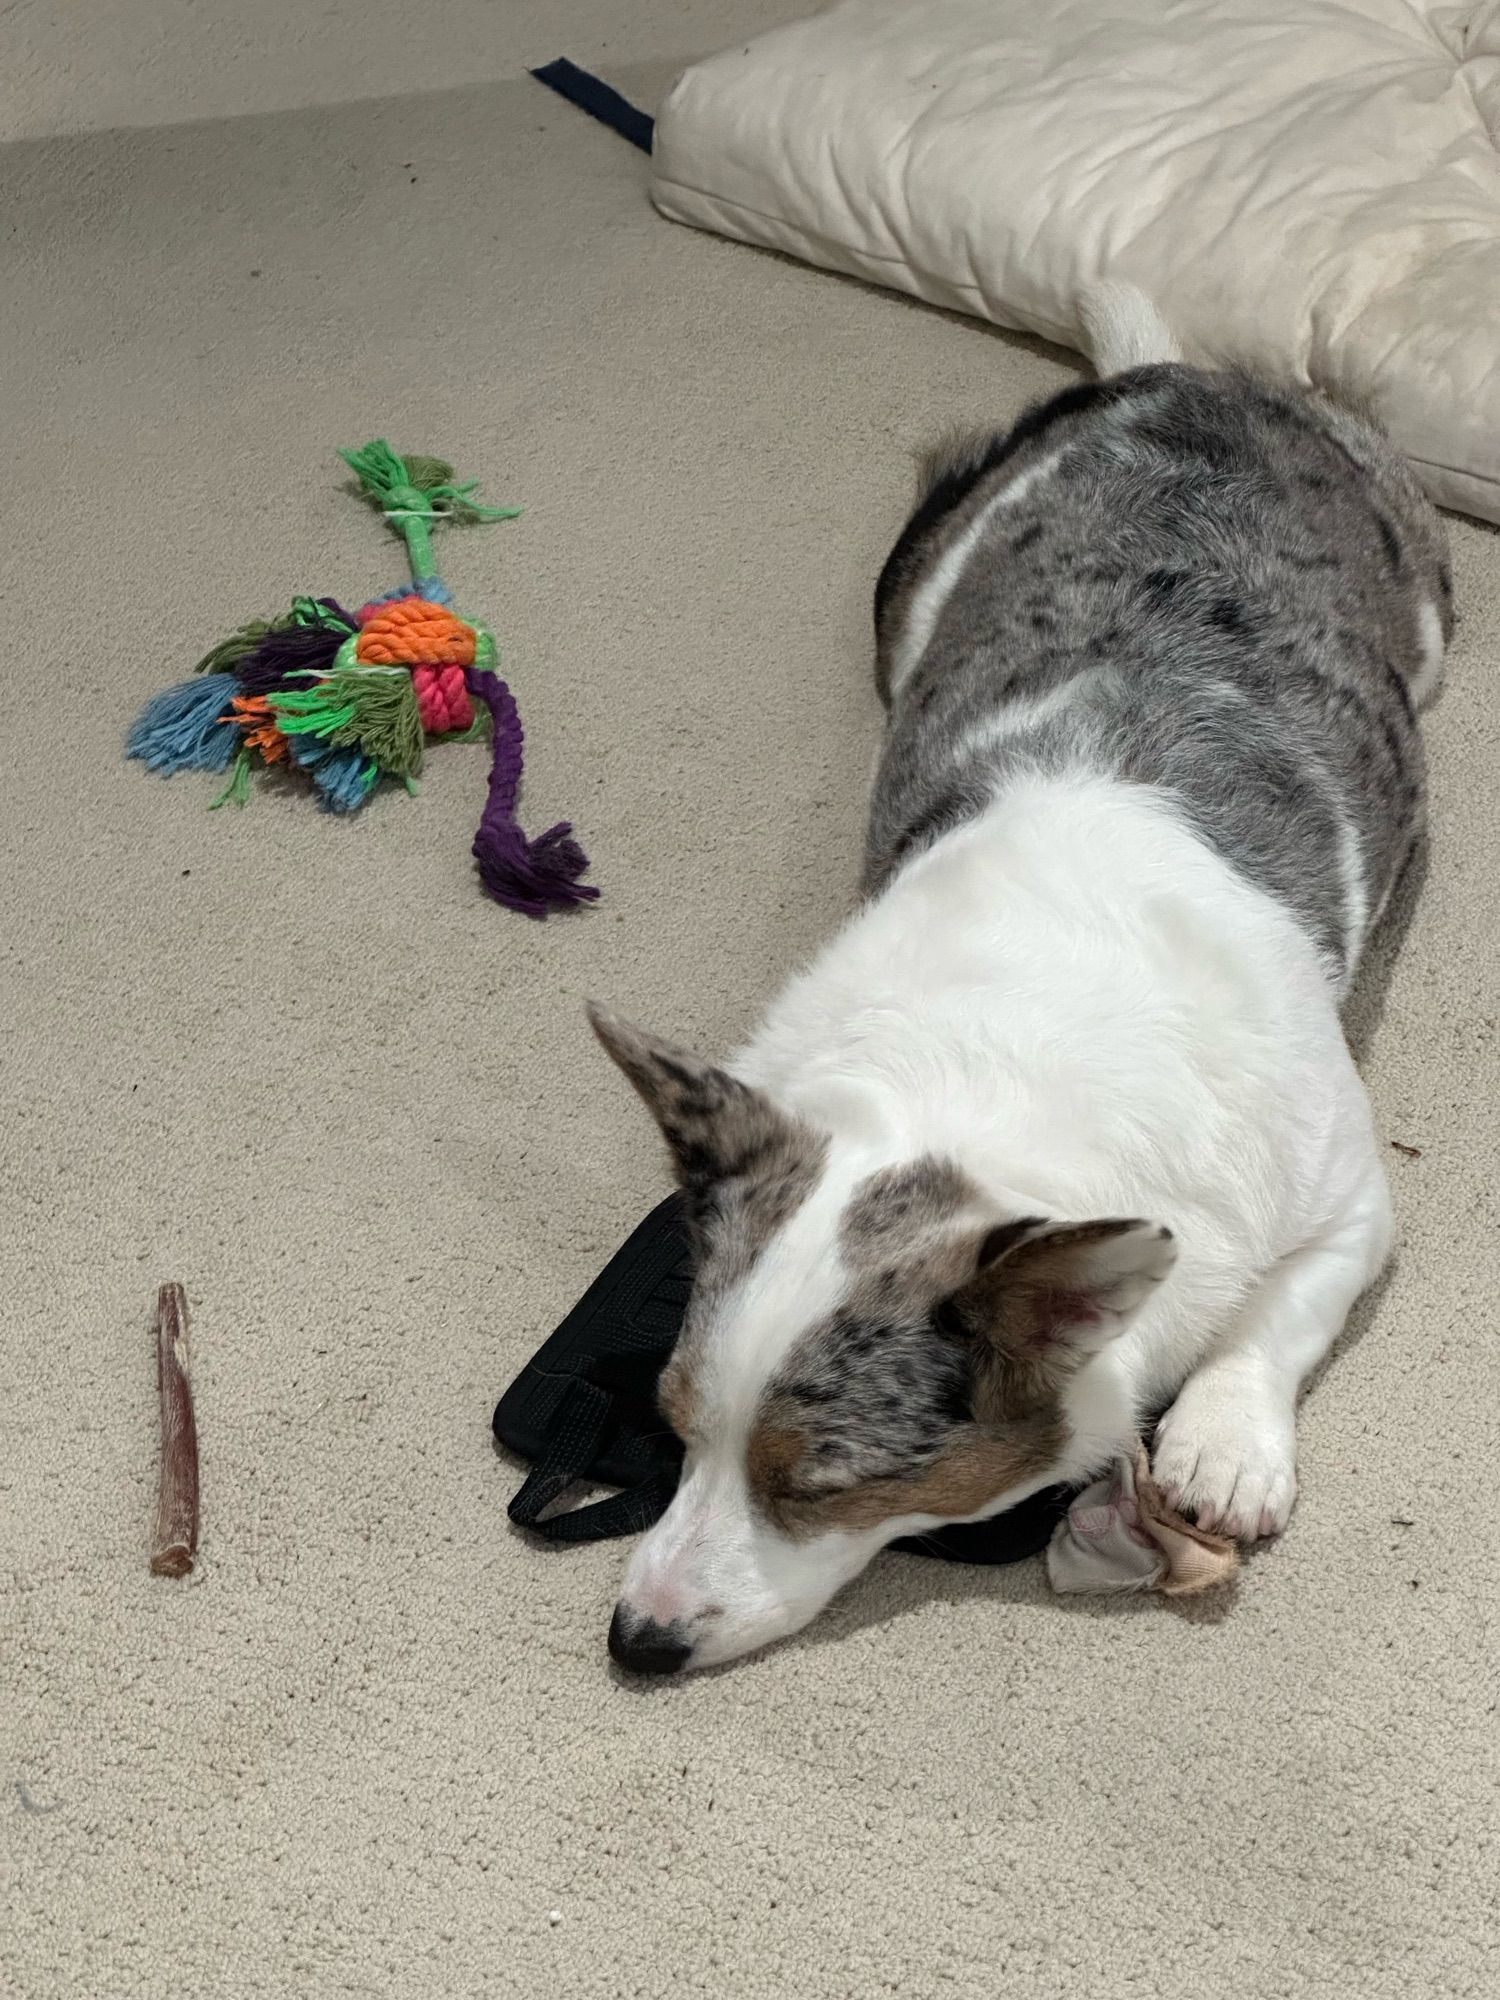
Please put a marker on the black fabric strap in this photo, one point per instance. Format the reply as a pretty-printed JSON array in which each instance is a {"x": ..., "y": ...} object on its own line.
[
  {"x": 627, "y": 1513},
  {"x": 578, "y": 1427}
]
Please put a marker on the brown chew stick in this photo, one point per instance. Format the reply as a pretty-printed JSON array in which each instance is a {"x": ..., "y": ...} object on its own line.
[{"x": 176, "y": 1536}]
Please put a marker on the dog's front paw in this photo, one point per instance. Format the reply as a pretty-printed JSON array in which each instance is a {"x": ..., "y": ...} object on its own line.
[{"x": 1225, "y": 1455}]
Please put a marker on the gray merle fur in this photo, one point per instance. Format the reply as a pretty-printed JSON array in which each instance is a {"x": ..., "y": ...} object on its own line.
[{"x": 1220, "y": 586}]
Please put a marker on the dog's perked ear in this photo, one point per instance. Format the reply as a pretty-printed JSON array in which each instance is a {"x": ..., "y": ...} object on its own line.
[
  {"x": 1047, "y": 1295},
  {"x": 717, "y": 1128}
]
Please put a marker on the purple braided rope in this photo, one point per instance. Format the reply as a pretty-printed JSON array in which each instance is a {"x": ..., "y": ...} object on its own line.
[{"x": 532, "y": 876}]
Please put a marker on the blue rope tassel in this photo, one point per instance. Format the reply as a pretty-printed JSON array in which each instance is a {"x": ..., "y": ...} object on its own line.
[{"x": 181, "y": 729}]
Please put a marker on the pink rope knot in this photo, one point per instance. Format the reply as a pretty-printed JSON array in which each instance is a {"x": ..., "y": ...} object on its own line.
[{"x": 443, "y": 698}]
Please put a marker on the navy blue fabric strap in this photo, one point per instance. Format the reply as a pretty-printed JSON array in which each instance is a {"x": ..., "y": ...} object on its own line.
[{"x": 598, "y": 100}]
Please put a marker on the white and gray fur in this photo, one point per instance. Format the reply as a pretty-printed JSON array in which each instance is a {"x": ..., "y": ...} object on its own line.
[{"x": 1230, "y": 592}]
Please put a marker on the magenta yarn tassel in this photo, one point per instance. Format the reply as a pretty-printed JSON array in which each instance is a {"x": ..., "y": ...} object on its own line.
[{"x": 532, "y": 876}]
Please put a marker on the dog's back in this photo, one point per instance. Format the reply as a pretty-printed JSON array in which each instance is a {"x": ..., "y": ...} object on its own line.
[{"x": 1195, "y": 582}]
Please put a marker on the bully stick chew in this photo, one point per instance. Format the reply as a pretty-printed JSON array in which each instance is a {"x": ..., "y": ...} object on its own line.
[{"x": 176, "y": 1535}]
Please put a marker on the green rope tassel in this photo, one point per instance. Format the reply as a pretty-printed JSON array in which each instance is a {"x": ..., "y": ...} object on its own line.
[
  {"x": 238, "y": 787},
  {"x": 416, "y": 493},
  {"x": 373, "y": 707}
]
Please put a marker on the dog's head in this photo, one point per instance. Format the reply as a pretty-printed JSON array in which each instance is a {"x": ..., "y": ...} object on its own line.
[{"x": 870, "y": 1352}]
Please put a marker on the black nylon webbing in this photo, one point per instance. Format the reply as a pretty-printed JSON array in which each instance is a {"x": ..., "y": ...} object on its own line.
[{"x": 579, "y": 1424}]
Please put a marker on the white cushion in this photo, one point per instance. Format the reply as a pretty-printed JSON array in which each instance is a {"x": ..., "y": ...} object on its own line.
[{"x": 1309, "y": 186}]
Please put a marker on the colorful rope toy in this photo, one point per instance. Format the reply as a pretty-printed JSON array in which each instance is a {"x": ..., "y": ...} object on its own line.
[{"x": 351, "y": 697}]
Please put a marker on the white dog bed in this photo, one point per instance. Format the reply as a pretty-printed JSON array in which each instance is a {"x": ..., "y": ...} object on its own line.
[{"x": 1303, "y": 185}]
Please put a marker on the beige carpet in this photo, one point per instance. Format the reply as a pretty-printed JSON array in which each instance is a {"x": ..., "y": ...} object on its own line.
[{"x": 372, "y": 1747}]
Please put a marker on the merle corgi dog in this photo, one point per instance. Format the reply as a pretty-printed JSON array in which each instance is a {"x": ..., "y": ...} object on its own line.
[{"x": 1061, "y": 1129}]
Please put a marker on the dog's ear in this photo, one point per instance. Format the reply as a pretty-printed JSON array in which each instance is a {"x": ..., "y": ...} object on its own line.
[
  {"x": 1047, "y": 1295},
  {"x": 717, "y": 1128}
]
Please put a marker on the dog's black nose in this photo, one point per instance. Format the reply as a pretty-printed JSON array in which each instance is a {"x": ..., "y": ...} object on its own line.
[{"x": 644, "y": 1647}]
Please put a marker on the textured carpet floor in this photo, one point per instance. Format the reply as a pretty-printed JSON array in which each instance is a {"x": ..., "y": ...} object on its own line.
[{"x": 372, "y": 1747}]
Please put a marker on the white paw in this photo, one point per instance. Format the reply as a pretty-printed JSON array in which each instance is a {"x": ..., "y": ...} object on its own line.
[{"x": 1226, "y": 1456}]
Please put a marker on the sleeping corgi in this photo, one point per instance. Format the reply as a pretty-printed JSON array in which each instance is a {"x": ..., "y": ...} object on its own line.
[{"x": 1061, "y": 1129}]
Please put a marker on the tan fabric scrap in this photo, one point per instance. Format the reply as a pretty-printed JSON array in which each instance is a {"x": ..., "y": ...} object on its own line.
[{"x": 1121, "y": 1534}]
